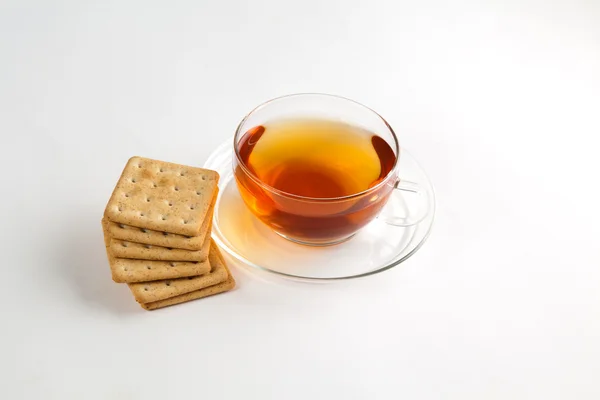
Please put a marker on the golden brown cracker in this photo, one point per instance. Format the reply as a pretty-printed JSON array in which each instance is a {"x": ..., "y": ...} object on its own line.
[
  {"x": 196, "y": 294},
  {"x": 162, "y": 196},
  {"x": 164, "y": 239},
  {"x": 126, "y": 270},
  {"x": 124, "y": 249},
  {"x": 146, "y": 292}
]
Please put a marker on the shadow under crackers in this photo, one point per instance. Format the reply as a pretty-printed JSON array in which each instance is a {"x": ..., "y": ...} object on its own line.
[{"x": 85, "y": 268}]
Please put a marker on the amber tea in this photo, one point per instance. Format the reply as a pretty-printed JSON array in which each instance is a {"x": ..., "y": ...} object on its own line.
[{"x": 305, "y": 178}]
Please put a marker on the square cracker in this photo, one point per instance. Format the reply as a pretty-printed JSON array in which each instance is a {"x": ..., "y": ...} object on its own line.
[
  {"x": 146, "y": 292},
  {"x": 164, "y": 239},
  {"x": 162, "y": 196},
  {"x": 130, "y": 271},
  {"x": 196, "y": 294},
  {"x": 127, "y": 270},
  {"x": 139, "y": 251}
]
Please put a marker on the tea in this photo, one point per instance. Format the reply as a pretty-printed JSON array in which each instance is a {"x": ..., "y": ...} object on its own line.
[{"x": 315, "y": 167}]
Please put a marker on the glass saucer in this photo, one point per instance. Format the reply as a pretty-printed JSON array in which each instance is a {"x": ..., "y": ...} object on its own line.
[{"x": 375, "y": 248}]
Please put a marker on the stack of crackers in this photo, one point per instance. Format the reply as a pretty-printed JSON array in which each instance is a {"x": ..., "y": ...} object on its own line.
[{"x": 157, "y": 227}]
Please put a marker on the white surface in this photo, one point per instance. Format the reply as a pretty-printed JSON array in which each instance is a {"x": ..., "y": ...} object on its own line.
[{"x": 498, "y": 100}]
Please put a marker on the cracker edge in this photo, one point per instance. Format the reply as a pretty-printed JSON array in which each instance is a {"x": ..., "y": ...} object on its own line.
[{"x": 117, "y": 278}]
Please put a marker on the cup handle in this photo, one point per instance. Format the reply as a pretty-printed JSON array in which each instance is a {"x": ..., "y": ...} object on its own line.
[{"x": 420, "y": 204}]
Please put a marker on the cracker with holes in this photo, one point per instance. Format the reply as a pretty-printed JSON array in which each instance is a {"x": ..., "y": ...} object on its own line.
[
  {"x": 126, "y": 270},
  {"x": 146, "y": 236},
  {"x": 162, "y": 196},
  {"x": 130, "y": 271},
  {"x": 147, "y": 292},
  {"x": 138, "y": 251},
  {"x": 224, "y": 286}
]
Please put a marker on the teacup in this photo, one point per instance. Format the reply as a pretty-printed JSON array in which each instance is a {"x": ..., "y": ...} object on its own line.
[{"x": 317, "y": 168}]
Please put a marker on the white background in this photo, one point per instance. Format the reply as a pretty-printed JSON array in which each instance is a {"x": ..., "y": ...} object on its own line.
[{"x": 498, "y": 100}]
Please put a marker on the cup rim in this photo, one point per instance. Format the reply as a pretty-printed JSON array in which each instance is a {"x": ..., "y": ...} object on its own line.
[{"x": 257, "y": 180}]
